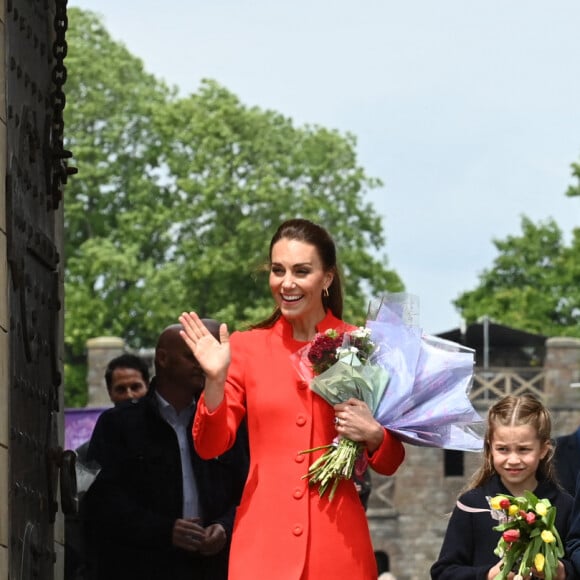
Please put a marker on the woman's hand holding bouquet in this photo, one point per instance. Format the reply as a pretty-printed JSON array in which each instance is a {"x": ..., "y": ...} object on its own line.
[
  {"x": 344, "y": 377},
  {"x": 387, "y": 375}
]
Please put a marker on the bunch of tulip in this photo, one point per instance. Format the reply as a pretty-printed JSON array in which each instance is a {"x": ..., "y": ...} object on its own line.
[{"x": 529, "y": 540}]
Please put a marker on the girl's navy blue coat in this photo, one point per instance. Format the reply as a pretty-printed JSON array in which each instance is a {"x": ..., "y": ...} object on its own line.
[{"x": 467, "y": 551}]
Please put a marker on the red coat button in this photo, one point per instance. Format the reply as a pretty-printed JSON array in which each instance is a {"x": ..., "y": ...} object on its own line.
[
  {"x": 299, "y": 458},
  {"x": 298, "y": 493},
  {"x": 297, "y": 530},
  {"x": 301, "y": 420}
]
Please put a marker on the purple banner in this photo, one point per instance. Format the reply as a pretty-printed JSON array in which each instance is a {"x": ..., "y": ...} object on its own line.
[{"x": 79, "y": 424}]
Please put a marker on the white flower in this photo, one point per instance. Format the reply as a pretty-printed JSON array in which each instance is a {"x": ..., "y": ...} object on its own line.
[
  {"x": 348, "y": 354},
  {"x": 361, "y": 332}
]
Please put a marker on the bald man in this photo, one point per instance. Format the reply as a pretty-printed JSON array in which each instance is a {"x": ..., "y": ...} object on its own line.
[{"x": 156, "y": 509}]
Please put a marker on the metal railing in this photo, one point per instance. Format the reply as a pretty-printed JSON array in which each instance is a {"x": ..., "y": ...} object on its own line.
[{"x": 495, "y": 382}]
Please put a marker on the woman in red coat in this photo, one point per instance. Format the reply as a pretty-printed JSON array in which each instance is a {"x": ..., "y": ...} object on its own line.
[{"x": 283, "y": 528}]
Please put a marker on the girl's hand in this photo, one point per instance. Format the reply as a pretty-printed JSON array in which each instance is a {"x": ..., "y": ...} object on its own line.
[
  {"x": 560, "y": 572},
  {"x": 356, "y": 422},
  {"x": 496, "y": 570}
]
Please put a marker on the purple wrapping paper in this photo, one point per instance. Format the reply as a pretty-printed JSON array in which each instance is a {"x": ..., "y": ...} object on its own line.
[
  {"x": 79, "y": 424},
  {"x": 427, "y": 398}
]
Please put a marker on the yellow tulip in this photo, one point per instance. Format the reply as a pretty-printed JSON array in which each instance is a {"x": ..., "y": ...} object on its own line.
[
  {"x": 547, "y": 537},
  {"x": 539, "y": 562},
  {"x": 495, "y": 502},
  {"x": 513, "y": 510},
  {"x": 541, "y": 508}
]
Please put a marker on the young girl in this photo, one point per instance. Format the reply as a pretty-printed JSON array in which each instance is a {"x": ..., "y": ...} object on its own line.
[{"x": 517, "y": 456}]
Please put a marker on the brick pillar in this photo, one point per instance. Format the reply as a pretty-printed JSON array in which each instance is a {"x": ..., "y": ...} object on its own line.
[
  {"x": 562, "y": 366},
  {"x": 99, "y": 352}
]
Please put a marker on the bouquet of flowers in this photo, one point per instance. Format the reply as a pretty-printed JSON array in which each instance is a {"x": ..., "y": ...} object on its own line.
[
  {"x": 342, "y": 366},
  {"x": 529, "y": 537},
  {"x": 415, "y": 385}
]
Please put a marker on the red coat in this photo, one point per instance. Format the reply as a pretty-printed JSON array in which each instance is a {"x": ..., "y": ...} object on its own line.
[{"x": 283, "y": 529}]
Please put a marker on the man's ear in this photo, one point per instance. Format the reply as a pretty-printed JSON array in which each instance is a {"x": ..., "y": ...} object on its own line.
[{"x": 161, "y": 357}]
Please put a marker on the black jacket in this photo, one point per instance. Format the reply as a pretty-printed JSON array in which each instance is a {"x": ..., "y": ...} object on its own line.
[
  {"x": 567, "y": 461},
  {"x": 137, "y": 496},
  {"x": 573, "y": 540},
  {"x": 467, "y": 551}
]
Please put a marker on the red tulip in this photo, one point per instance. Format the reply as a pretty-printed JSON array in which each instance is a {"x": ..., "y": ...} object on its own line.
[
  {"x": 511, "y": 536},
  {"x": 504, "y": 504}
]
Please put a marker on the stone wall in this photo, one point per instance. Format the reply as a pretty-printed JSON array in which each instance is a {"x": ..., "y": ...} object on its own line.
[
  {"x": 562, "y": 366},
  {"x": 99, "y": 352}
]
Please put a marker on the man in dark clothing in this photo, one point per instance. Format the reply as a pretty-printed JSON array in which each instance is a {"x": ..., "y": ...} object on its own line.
[
  {"x": 572, "y": 540},
  {"x": 126, "y": 377},
  {"x": 156, "y": 510},
  {"x": 567, "y": 460}
]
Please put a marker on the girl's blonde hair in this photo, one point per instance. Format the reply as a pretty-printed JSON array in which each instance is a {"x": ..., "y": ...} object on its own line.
[{"x": 512, "y": 411}]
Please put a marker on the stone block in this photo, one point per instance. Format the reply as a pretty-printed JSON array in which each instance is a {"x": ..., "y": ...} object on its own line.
[{"x": 100, "y": 351}]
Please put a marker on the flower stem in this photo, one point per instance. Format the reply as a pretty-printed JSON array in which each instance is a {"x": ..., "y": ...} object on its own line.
[{"x": 336, "y": 463}]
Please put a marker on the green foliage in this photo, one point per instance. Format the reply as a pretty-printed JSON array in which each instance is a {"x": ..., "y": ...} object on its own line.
[
  {"x": 176, "y": 199},
  {"x": 534, "y": 283},
  {"x": 75, "y": 379},
  {"x": 116, "y": 219},
  {"x": 574, "y": 190},
  {"x": 241, "y": 173}
]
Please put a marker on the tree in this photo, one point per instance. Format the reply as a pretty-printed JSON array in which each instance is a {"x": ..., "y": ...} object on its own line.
[
  {"x": 177, "y": 197},
  {"x": 534, "y": 283},
  {"x": 244, "y": 170},
  {"x": 574, "y": 190},
  {"x": 113, "y": 207}
]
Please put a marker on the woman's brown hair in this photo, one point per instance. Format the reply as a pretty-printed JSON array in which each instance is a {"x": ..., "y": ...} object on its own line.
[{"x": 304, "y": 230}]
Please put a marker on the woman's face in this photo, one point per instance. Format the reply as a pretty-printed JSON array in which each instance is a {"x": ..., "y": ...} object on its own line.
[
  {"x": 297, "y": 280},
  {"x": 516, "y": 453}
]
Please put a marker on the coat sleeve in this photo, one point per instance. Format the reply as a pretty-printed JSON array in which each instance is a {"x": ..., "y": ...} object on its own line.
[
  {"x": 390, "y": 454},
  {"x": 572, "y": 540},
  {"x": 215, "y": 432},
  {"x": 96, "y": 448},
  {"x": 456, "y": 558},
  {"x": 225, "y": 484},
  {"x": 564, "y": 510}
]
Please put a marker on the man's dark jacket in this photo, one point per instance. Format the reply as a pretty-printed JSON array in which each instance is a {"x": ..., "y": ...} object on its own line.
[
  {"x": 137, "y": 496},
  {"x": 567, "y": 460}
]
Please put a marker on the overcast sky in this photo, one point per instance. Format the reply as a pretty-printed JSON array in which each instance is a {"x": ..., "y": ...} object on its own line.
[{"x": 468, "y": 111}]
